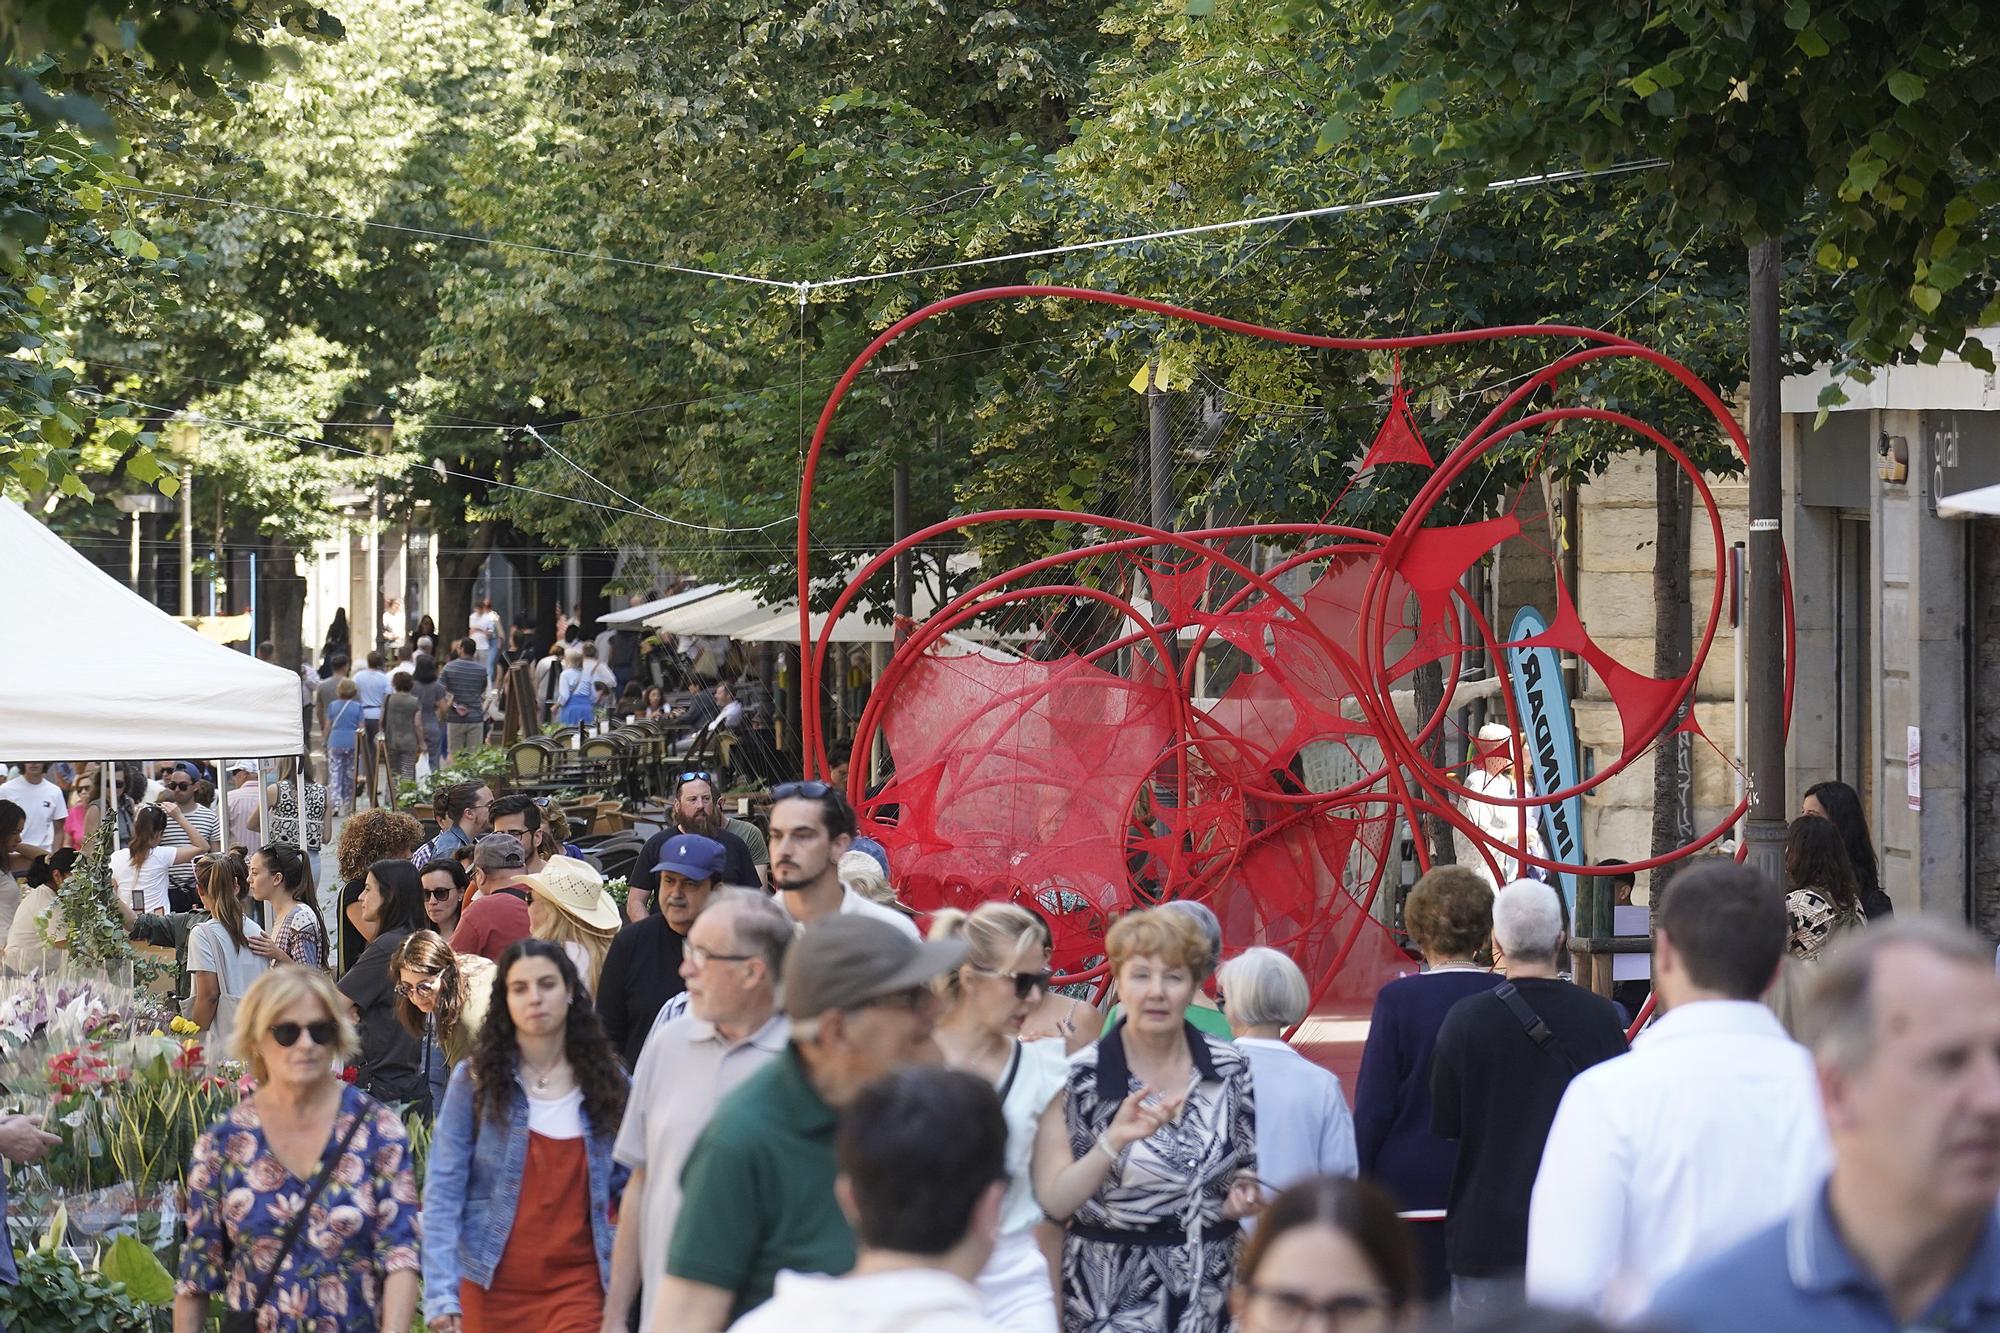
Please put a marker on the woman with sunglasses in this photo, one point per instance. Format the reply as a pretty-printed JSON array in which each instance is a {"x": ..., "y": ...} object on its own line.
[
  {"x": 355, "y": 1265},
  {"x": 441, "y": 999},
  {"x": 520, "y": 1188},
  {"x": 392, "y": 907},
  {"x": 1332, "y": 1248},
  {"x": 444, "y": 882},
  {"x": 987, "y": 998}
]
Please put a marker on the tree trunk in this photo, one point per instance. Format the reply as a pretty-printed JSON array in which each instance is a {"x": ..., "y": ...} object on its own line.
[
  {"x": 458, "y": 569},
  {"x": 1428, "y": 682},
  {"x": 284, "y": 596},
  {"x": 1673, "y": 652},
  {"x": 598, "y": 569}
]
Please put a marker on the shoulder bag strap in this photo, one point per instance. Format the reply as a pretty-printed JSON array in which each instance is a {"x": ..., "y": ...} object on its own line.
[
  {"x": 1531, "y": 1023},
  {"x": 1013, "y": 1068},
  {"x": 299, "y": 1219}
]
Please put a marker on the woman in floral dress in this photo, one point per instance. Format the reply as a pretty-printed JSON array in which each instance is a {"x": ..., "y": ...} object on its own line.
[{"x": 354, "y": 1264}]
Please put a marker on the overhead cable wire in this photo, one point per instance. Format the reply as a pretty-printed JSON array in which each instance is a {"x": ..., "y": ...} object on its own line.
[{"x": 1270, "y": 219}]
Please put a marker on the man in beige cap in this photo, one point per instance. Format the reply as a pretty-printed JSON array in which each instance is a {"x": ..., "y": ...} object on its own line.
[{"x": 757, "y": 1190}]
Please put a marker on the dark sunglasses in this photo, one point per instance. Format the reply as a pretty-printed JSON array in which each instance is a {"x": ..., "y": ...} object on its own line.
[
  {"x": 812, "y": 791},
  {"x": 439, "y": 895},
  {"x": 178, "y": 786},
  {"x": 321, "y": 1032},
  {"x": 1025, "y": 983}
]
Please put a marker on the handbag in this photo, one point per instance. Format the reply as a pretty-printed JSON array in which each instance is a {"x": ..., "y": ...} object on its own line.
[{"x": 245, "y": 1321}]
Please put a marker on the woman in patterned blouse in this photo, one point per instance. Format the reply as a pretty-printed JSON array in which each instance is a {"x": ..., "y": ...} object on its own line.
[
  {"x": 354, "y": 1264},
  {"x": 1150, "y": 1153},
  {"x": 278, "y": 880}
]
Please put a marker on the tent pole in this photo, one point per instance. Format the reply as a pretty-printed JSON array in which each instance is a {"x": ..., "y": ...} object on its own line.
[
  {"x": 222, "y": 802},
  {"x": 104, "y": 781}
]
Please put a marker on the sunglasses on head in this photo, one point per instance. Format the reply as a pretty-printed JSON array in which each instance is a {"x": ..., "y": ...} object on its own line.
[
  {"x": 321, "y": 1032},
  {"x": 1025, "y": 983},
  {"x": 812, "y": 791},
  {"x": 695, "y": 775}
]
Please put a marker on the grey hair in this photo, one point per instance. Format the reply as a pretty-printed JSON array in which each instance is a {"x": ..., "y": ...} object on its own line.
[
  {"x": 1839, "y": 1018},
  {"x": 1528, "y": 921},
  {"x": 1262, "y": 986},
  {"x": 1205, "y": 918},
  {"x": 759, "y": 924}
]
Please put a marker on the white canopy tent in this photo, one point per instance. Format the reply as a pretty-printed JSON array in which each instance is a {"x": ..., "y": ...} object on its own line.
[
  {"x": 122, "y": 679},
  {"x": 723, "y": 614},
  {"x": 638, "y": 617}
]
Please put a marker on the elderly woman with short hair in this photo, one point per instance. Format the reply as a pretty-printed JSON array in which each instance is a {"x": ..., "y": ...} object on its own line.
[
  {"x": 1449, "y": 916},
  {"x": 302, "y": 1138},
  {"x": 1303, "y": 1127},
  {"x": 1150, "y": 1153}
]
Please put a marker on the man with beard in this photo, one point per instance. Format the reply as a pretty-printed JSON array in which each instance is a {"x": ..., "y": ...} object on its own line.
[
  {"x": 811, "y": 825},
  {"x": 694, "y": 810},
  {"x": 643, "y": 970}
]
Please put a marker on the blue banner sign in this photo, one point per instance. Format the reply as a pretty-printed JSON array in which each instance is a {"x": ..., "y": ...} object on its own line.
[{"x": 1549, "y": 739}]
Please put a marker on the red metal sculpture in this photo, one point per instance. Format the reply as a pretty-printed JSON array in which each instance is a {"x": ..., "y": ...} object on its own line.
[{"x": 1090, "y": 783}]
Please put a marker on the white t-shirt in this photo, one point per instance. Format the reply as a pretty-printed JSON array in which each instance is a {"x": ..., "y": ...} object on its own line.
[
  {"x": 152, "y": 876},
  {"x": 211, "y": 950},
  {"x": 46, "y": 806},
  {"x": 1038, "y": 1077},
  {"x": 555, "y": 1117},
  {"x": 25, "y": 948},
  {"x": 484, "y": 626}
]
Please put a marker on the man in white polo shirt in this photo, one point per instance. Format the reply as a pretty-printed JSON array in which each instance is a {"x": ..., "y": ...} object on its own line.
[
  {"x": 732, "y": 963},
  {"x": 811, "y": 825},
  {"x": 44, "y": 803}
]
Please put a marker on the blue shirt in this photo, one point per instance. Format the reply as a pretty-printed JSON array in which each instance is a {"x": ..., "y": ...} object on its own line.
[
  {"x": 1799, "y": 1274},
  {"x": 374, "y": 688},
  {"x": 343, "y": 717}
]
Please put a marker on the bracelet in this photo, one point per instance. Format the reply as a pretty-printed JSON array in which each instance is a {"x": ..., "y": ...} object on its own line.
[{"x": 1104, "y": 1144}]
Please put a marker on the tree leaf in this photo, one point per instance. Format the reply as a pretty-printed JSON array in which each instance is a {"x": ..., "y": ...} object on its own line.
[
  {"x": 1905, "y": 87},
  {"x": 145, "y": 1277}
]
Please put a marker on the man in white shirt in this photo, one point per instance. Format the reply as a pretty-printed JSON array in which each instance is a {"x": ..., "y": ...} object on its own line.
[
  {"x": 732, "y": 965},
  {"x": 729, "y": 709},
  {"x": 44, "y": 803},
  {"x": 923, "y": 1169},
  {"x": 1493, "y": 776},
  {"x": 485, "y": 628},
  {"x": 811, "y": 826},
  {"x": 1708, "y": 1132}
]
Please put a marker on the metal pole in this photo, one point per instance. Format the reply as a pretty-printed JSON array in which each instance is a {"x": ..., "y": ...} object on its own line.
[
  {"x": 1159, "y": 457},
  {"x": 187, "y": 542},
  {"x": 1763, "y": 609},
  {"x": 138, "y": 519},
  {"x": 900, "y": 518}
]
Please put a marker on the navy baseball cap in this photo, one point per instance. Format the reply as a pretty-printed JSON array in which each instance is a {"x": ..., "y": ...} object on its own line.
[
  {"x": 694, "y": 856},
  {"x": 873, "y": 849}
]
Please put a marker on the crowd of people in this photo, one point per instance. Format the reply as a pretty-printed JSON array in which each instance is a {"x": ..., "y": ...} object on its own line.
[{"x": 756, "y": 1095}]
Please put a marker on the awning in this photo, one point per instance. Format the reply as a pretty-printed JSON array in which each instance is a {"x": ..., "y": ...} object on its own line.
[
  {"x": 723, "y": 614},
  {"x": 636, "y": 616},
  {"x": 1970, "y": 504}
]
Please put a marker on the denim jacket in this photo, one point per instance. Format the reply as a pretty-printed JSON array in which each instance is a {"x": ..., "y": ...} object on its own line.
[{"x": 472, "y": 1187}]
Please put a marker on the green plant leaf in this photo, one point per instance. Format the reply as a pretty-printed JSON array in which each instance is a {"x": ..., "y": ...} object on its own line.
[
  {"x": 1905, "y": 87},
  {"x": 146, "y": 1279}
]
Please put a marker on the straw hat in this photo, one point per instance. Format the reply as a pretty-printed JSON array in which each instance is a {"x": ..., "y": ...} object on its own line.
[{"x": 577, "y": 889}]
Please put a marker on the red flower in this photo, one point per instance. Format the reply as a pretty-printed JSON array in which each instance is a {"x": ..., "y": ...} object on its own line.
[{"x": 349, "y": 1073}]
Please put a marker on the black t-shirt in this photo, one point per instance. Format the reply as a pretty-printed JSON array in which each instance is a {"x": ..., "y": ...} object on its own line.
[
  {"x": 392, "y": 1061},
  {"x": 737, "y": 867},
  {"x": 352, "y": 942},
  {"x": 641, "y": 973},
  {"x": 1496, "y": 1091}
]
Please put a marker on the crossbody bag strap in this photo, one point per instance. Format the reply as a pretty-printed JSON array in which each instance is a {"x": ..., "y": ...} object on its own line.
[
  {"x": 299, "y": 1219},
  {"x": 1531, "y": 1023}
]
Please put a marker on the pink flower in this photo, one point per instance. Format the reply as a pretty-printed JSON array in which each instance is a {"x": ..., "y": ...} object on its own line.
[
  {"x": 348, "y": 1170},
  {"x": 344, "y": 1221},
  {"x": 237, "y": 1204},
  {"x": 265, "y": 1175},
  {"x": 333, "y": 1295},
  {"x": 241, "y": 1148}
]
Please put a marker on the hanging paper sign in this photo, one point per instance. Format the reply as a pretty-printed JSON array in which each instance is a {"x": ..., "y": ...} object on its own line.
[{"x": 1550, "y": 741}]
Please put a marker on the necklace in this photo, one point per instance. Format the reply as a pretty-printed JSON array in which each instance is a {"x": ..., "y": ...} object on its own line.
[{"x": 542, "y": 1076}]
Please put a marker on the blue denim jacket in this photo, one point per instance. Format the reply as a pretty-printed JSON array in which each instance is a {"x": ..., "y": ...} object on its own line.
[{"x": 472, "y": 1187}]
